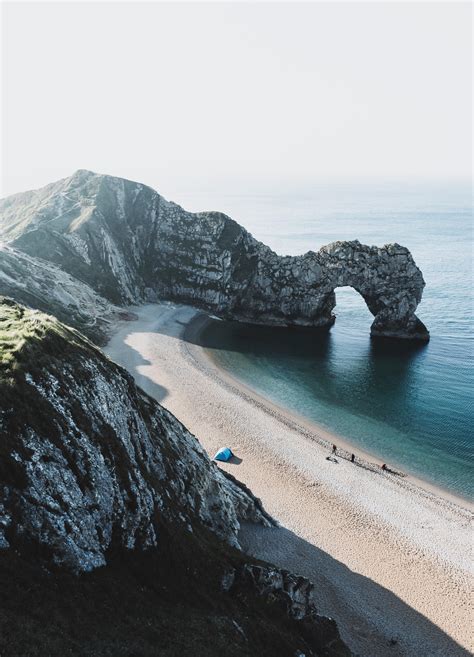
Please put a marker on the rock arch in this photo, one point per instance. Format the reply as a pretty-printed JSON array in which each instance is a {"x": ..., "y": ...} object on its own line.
[
  {"x": 388, "y": 280},
  {"x": 258, "y": 286},
  {"x": 131, "y": 245},
  {"x": 216, "y": 264}
]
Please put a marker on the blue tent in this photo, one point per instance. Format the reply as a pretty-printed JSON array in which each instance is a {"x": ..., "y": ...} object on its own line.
[{"x": 223, "y": 454}]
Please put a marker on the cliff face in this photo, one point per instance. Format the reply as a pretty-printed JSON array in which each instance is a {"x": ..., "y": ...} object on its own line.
[
  {"x": 94, "y": 473},
  {"x": 129, "y": 244},
  {"x": 88, "y": 460},
  {"x": 47, "y": 287}
]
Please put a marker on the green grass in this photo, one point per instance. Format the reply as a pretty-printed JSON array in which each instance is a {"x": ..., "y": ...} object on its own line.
[
  {"x": 36, "y": 344},
  {"x": 19, "y": 327},
  {"x": 28, "y": 335}
]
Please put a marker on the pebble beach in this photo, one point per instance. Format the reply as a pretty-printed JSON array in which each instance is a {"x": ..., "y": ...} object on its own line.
[{"x": 389, "y": 556}]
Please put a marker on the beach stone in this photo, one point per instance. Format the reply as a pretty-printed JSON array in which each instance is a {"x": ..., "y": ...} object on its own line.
[{"x": 130, "y": 245}]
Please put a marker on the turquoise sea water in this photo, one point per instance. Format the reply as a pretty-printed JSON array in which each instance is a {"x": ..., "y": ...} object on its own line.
[{"x": 409, "y": 405}]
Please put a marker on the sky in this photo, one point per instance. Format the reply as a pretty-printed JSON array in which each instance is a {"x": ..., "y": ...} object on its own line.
[{"x": 235, "y": 96}]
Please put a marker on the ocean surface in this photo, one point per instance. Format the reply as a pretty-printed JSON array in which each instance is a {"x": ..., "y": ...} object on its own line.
[{"x": 409, "y": 405}]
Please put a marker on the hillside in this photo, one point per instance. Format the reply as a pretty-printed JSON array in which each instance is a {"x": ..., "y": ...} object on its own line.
[
  {"x": 131, "y": 245},
  {"x": 44, "y": 286},
  {"x": 116, "y": 530}
]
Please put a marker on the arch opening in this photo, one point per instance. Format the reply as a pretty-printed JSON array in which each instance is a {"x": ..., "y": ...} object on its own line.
[{"x": 351, "y": 309}]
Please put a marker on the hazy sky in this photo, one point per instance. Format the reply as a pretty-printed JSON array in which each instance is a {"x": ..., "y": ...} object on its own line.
[{"x": 249, "y": 94}]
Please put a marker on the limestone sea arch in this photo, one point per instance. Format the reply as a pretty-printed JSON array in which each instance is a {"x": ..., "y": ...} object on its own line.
[{"x": 131, "y": 245}]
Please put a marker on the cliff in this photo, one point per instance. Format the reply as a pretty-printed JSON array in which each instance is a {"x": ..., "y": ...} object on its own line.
[
  {"x": 47, "y": 287},
  {"x": 96, "y": 458},
  {"x": 103, "y": 494},
  {"x": 129, "y": 244}
]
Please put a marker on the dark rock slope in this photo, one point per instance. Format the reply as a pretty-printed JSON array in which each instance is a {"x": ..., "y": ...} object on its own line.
[
  {"x": 96, "y": 458},
  {"x": 130, "y": 244},
  {"x": 94, "y": 473}
]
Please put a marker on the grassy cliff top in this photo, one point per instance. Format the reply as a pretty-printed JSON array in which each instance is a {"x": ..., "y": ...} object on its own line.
[
  {"x": 29, "y": 338},
  {"x": 19, "y": 327}
]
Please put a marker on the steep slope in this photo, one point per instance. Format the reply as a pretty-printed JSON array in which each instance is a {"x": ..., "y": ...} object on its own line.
[
  {"x": 46, "y": 287},
  {"x": 130, "y": 244},
  {"x": 94, "y": 473},
  {"x": 97, "y": 458}
]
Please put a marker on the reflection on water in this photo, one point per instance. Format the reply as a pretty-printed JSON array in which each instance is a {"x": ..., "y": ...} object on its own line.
[
  {"x": 411, "y": 406},
  {"x": 388, "y": 397}
]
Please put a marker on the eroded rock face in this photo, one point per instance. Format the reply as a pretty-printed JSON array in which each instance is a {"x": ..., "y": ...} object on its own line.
[
  {"x": 278, "y": 587},
  {"x": 93, "y": 472},
  {"x": 291, "y": 594},
  {"x": 88, "y": 461},
  {"x": 129, "y": 244},
  {"x": 47, "y": 287}
]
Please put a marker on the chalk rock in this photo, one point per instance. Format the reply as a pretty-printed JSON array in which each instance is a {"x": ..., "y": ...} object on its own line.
[
  {"x": 88, "y": 461},
  {"x": 47, "y": 287},
  {"x": 131, "y": 245}
]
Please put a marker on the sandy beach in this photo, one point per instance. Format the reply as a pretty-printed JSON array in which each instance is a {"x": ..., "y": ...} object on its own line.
[{"x": 390, "y": 559}]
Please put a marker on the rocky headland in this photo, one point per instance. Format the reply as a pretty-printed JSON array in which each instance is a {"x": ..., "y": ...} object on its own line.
[
  {"x": 130, "y": 245},
  {"x": 42, "y": 285}
]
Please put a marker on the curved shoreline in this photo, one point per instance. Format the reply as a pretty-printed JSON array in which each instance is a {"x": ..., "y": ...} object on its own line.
[
  {"x": 204, "y": 358},
  {"x": 389, "y": 559}
]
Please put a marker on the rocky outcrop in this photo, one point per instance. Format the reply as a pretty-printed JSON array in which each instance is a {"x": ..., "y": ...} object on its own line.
[
  {"x": 129, "y": 244},
  {"x": 276, "y": 586},
  {"x": 88, "y": 460},
  {"x": 94, "y": 473},
  {"x": 291, "y": 594},
  {"x": 44, "y": 286}
]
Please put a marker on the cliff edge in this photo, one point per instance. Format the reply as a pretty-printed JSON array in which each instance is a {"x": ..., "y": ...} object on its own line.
[{"x": 111, "y": 509}]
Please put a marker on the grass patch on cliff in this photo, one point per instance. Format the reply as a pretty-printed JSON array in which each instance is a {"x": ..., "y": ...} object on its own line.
[
  {"x": 27, "y": 336},
  {"x": 18, "y": 326},
  {"x": 32, "y": 344}
]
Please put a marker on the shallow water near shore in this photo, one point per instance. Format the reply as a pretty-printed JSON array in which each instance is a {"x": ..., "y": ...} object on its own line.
[{"x": 408, "y": 404}]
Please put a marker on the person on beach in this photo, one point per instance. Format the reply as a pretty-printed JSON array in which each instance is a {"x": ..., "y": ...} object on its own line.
[
  {"x": 384, "y": 466},
  {"x": 332, "y": 456},
  {"x": 353, "y": 458}
]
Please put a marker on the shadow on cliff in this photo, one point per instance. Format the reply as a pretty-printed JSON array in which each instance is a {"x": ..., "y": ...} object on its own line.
[
  {"x": 167, "y": 601},
  {"x": 131, "y": 359},
  {"x": 352, "y": 599}
]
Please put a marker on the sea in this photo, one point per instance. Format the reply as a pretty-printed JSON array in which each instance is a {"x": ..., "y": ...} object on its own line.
[{"x": 409, "y": 405}]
